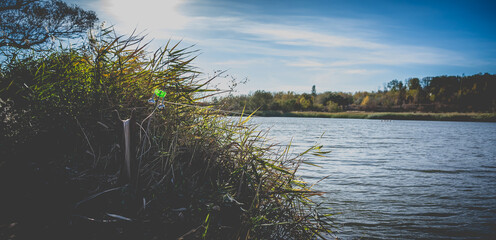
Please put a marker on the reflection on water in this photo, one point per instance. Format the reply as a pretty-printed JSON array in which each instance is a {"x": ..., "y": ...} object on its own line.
[{"x": 400, "y": 179}]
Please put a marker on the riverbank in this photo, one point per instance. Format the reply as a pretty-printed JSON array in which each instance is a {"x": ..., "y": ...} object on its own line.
[
  {"x": 467, "y": 117},
  {"x": 90, "y": 151}
]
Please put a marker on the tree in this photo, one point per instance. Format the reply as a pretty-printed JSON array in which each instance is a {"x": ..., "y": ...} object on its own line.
[
  {"x": 339, "y": 98},
  {"x": 25, "y": 24},
  {"x": 332, "y": 106},
  {"x": 415, "y": 92},
  {"x": 306, "y": 101},
  {"x": 314, "y": 91},
  {"x": 261, "y": 99},
  {"x": 413, "y": 83},
  {"x": 394, "y": 85},
  {"x": 402, "y": 93},
  {"x": 445, "y": 89}
]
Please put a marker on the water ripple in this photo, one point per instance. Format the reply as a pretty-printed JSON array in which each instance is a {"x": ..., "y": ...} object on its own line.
[{"x": 403, "y": 179}]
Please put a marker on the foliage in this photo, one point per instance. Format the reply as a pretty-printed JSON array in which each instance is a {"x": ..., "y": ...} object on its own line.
[
  {"x": 199, "y": 174},
  {"x": 476, "y": 93},
  {"x": 29, "y": 23},
  {"x": 332, "y": 106}
]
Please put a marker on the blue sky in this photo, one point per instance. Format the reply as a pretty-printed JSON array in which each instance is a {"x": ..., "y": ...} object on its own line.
[{"x": 336, "y": 45}]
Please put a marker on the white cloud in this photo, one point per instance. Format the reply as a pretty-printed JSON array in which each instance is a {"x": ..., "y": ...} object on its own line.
[
  {"x": 153, "y": 15},
  {"x": 243, "y": 62},
  {"x": 305, "y": 63},
  {"x": 362, "y": 71},
  {"x": 284, "y": 34}
]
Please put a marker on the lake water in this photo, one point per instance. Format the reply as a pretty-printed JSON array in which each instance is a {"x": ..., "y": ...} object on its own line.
[{"x": 400, "y": 179}]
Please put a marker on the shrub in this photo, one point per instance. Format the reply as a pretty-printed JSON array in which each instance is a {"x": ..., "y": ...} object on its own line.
[{"x": 198, "y": 173}]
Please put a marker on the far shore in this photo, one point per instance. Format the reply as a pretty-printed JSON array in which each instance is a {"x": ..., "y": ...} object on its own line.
[{"x": 452, "y": 116}]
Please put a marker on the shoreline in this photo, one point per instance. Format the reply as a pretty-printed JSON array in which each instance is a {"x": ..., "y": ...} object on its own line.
[{"x": 452, "y": 116}]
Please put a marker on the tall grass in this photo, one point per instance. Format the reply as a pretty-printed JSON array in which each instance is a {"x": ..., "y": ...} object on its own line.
[{"x": 199, "y": 174}]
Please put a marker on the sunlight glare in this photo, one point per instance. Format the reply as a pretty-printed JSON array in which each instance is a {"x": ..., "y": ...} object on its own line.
[{"x": 148, "y": 15}]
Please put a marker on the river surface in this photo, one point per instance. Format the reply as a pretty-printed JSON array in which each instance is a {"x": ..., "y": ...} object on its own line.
[{"x": 399, "y": 179}]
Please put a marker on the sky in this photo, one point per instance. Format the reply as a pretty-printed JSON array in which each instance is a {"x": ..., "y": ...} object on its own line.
[{"x": 289, "y": 45}]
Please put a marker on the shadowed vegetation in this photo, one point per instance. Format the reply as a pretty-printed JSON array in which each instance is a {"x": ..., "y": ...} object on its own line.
[
  {"x": 197, "y": 173},
  {"x": 476, "y": 93},
  {"x": 31, "y": 24}
]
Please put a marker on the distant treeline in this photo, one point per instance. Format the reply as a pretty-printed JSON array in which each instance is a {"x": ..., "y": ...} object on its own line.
[{"x": 476, "y": 93}]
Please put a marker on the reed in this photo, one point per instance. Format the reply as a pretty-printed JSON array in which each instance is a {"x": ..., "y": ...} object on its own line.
[{"x": 199, "y": 174}]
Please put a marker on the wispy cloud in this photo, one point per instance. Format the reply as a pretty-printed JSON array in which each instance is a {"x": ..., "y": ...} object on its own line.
[
  {"x": 246, "y": 34},
  {"x": 305, "y": 63},
  {"x": 251, "y": 37},
  {"x": 284, "y": 34},
  {"x": 362, "y": 71},
  {"x": 243, "y": 62},
  {"x": 325, "y": 50}
]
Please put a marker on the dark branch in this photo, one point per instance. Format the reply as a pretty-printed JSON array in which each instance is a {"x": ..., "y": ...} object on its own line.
[{"x": 28, "y": 23}]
